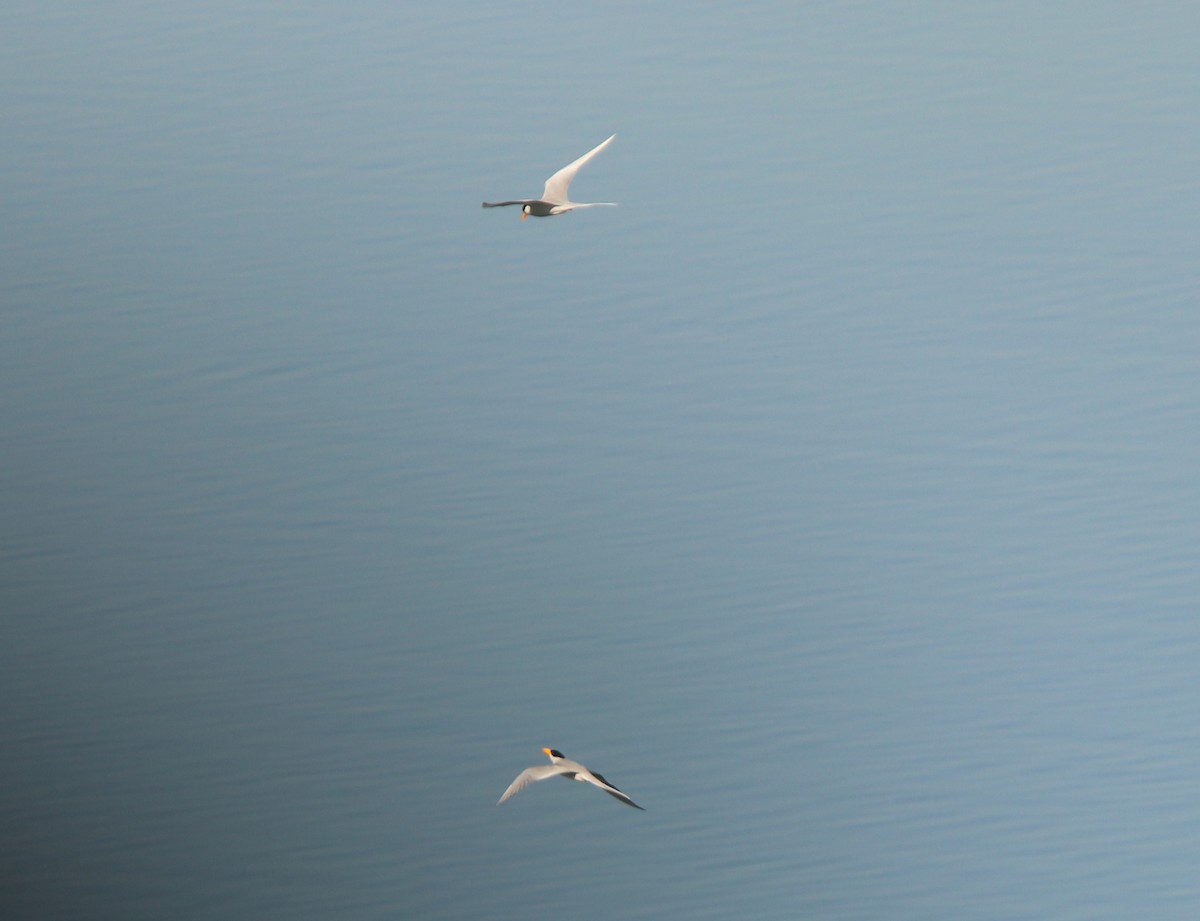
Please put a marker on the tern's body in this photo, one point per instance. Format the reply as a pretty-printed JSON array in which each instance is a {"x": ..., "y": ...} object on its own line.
[
  {"x": 563, "y": 767},
  {"x": 555, "y": 197}
]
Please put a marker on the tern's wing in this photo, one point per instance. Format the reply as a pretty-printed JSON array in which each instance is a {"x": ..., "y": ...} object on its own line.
[
  {"x": 558, "y": 184},
  {"x": 528, "y": 776},
  {"x": 501, "y": 204},
  {"x": 598, "y": 780}
]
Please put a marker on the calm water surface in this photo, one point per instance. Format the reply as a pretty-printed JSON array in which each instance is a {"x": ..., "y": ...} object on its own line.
[{"x": 835, "y": 496}]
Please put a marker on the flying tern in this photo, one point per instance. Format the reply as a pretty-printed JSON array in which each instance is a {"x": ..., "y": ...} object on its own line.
[
  {"x": 563, "y": 767},
  {"x": 555, "y": 199}
]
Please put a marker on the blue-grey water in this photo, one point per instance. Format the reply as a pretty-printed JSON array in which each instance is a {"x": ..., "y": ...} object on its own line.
[{"x": 837, "y": 495}]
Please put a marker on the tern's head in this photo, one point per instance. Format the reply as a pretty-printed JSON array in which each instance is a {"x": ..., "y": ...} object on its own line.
[
  {"x": 527, "y": 210},
  {"x": 554, "y": 753}
]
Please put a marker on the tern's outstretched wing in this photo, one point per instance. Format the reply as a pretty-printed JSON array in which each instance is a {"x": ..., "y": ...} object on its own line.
[
  {"x": 558, "y": 185},
  {"x": 598, "y": 780},
  {"x": 501, "y": 204},
  {"x": 528, "y": 776}
]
